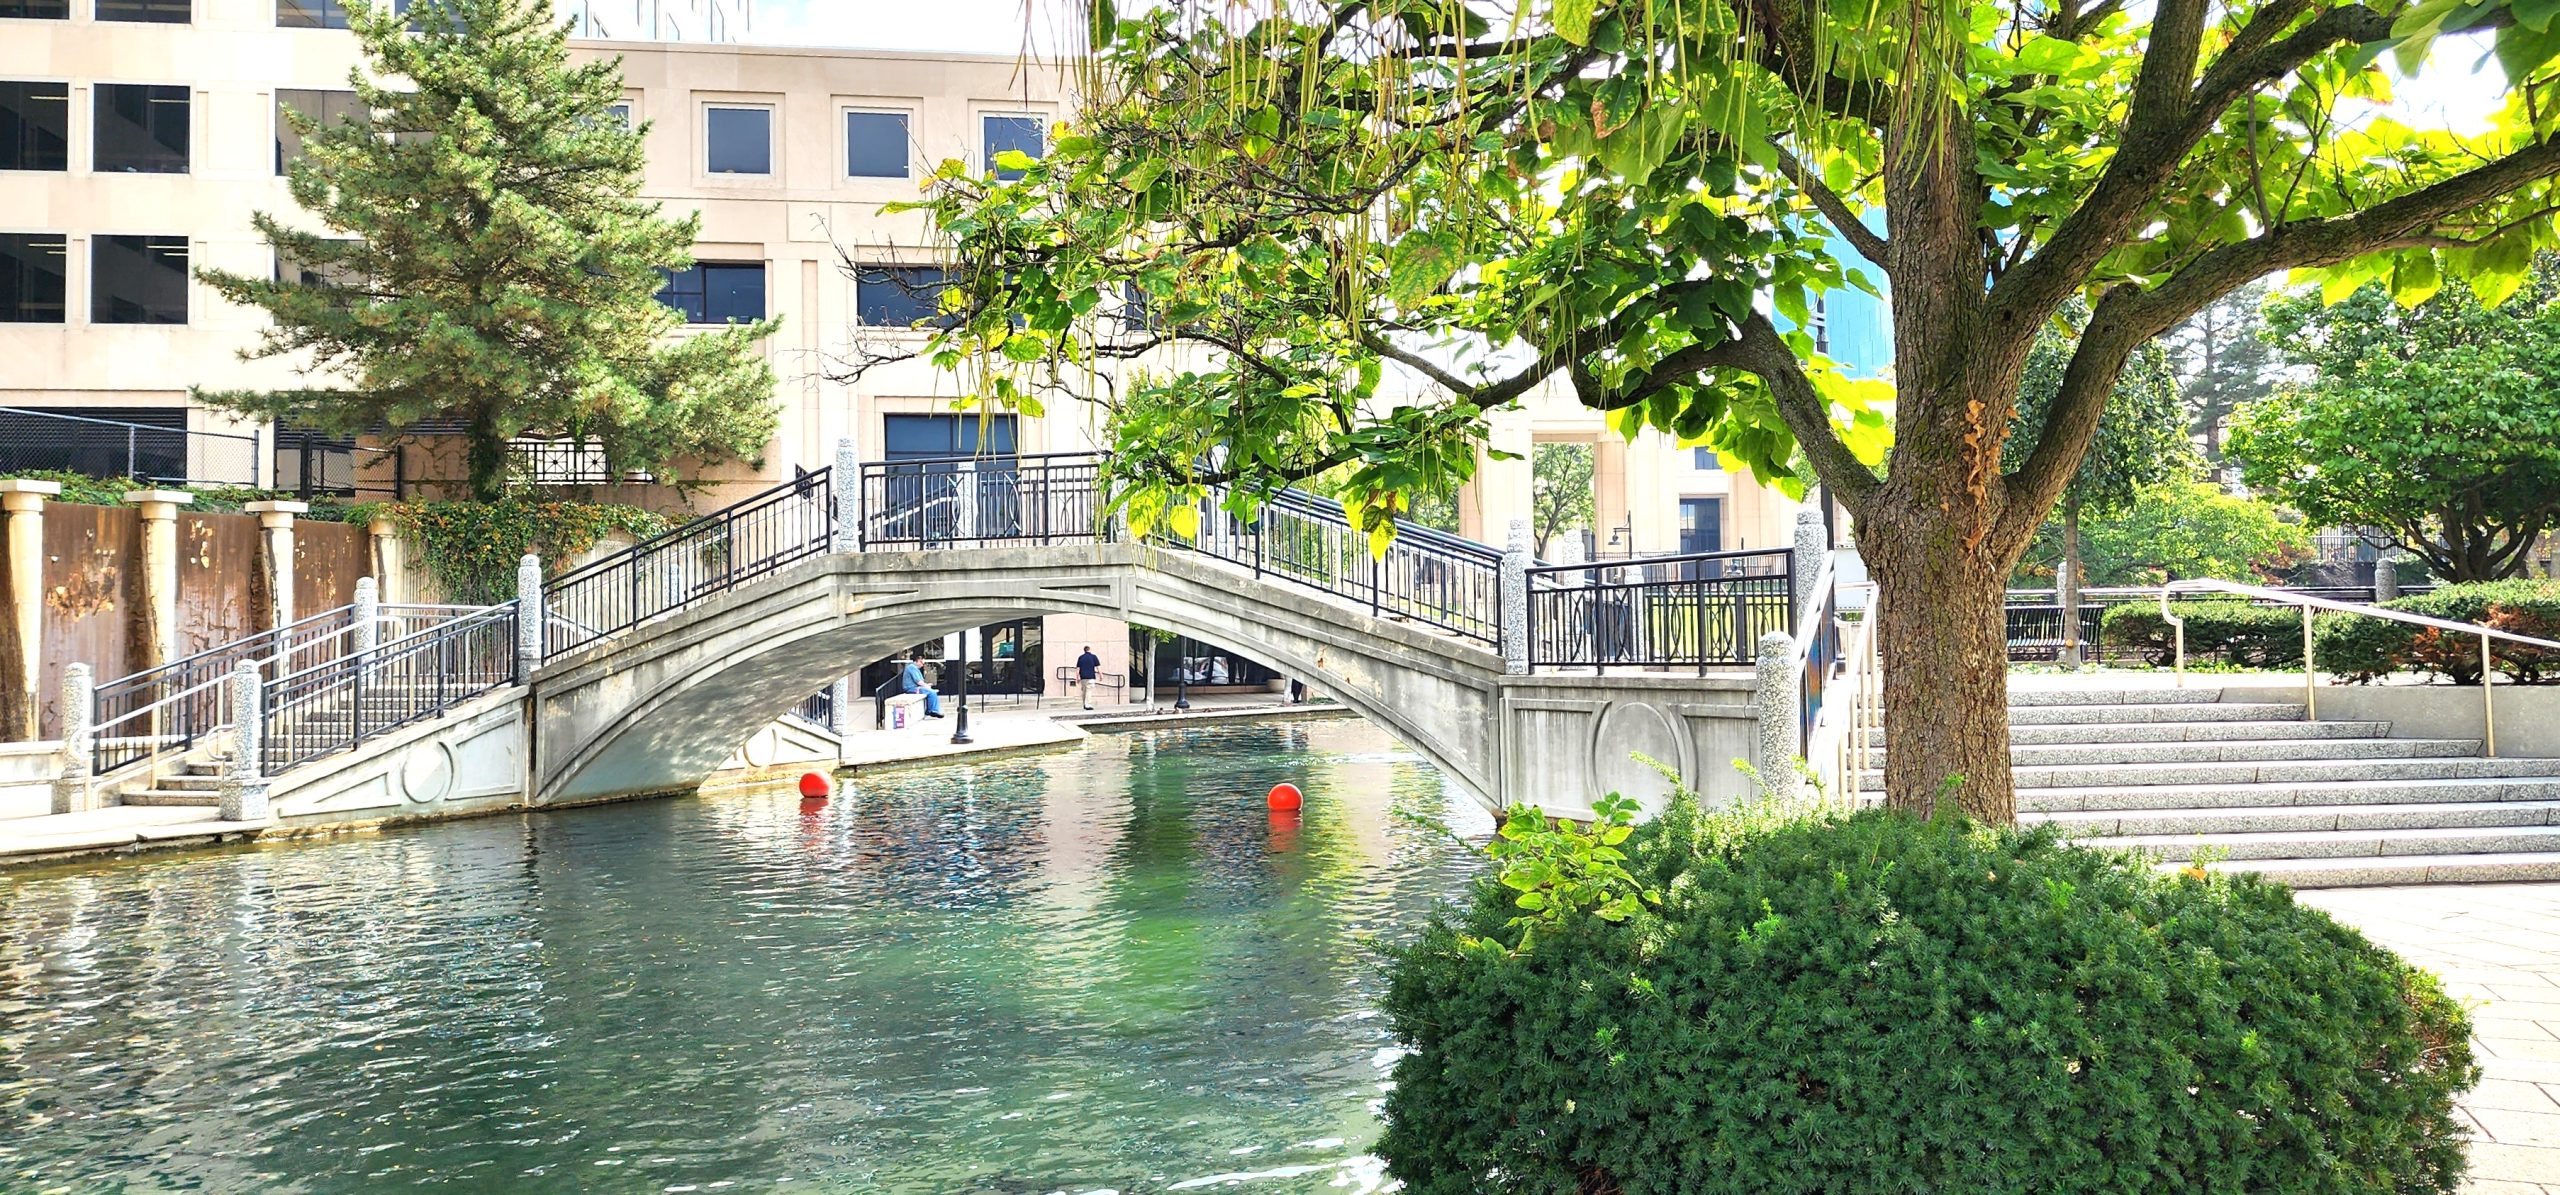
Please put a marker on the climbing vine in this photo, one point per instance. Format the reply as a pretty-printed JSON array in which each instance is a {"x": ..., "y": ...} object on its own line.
[{"x": 471, "y": 548}]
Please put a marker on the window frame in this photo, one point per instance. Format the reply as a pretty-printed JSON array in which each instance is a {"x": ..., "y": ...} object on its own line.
[
  {"x": 772, "y": 142},
  {"x": 907, "y": 146},
  {"x": 66, "y": 13},
  {"x": 929, "y": 321},
  {"x": 68, "y": 121},
  {"x": 68, "y": 277},
  {"x": 702, "y": 270},
  {"x": 98, "y": 13},
  {"x": 326, "y": 8},
  {"x": 98, "y": 95},
  {"x": 1040, "y": 122},
  {"x": 281, "y": 129},
  {"x": 186, "y": 278}
]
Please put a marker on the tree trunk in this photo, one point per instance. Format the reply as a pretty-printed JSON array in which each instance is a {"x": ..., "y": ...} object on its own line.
[
  {"x": 2068, "y": 584},
  {"x": 488, "y": 460},
  {"x": 1946, "y": 676}
]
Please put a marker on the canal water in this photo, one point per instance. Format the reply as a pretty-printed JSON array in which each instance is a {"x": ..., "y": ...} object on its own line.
[{"x": 1103, "y": 969}]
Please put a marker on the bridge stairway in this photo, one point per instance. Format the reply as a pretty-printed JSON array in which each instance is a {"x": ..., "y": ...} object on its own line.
[
  {"x": 196, "y": 782},
  {"x": 2180, "y": 774}
]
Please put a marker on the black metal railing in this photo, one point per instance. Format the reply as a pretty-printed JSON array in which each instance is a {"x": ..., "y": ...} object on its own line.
[
  {"x": 176, "y": 705},
  {"x": 946, "y": 502},
  {"x": 336, "y": 706},
  {"x": 818, "y": 709},
  {"x": 1700, "y": 610},
  {"x": 1429, "y": 577},
  {"x": 710, "y": 555}
]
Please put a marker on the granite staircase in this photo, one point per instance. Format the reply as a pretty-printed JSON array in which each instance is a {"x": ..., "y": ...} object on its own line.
[{"x": 2181, "y": 774}]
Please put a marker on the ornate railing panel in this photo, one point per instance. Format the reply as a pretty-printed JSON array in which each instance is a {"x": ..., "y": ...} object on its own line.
[
  {"x": 1702, "y": 610},
  {"x": 334, "y": 707},
  {"x": 710, "y": 555},
  {"x": 971, "y": 502}
]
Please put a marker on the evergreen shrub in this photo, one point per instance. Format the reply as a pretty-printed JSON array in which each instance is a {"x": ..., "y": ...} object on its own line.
[
  {"x": 1875, "y": 1003},
  {"x": 2235, "y": 632},
  {"x": 2362, "y": 649}
]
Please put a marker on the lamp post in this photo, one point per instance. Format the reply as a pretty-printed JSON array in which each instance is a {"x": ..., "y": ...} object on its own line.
[
  {"x": 960, "y": 729},
  {"x": 1182, "y": 673}
]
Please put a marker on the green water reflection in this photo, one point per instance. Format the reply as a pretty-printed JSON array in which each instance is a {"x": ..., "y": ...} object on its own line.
[{"x": 1106, "y": 969}]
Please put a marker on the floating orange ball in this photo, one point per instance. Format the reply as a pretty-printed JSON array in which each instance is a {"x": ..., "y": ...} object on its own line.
[
  {"x": 1284, "y": 797},
  {"x": 815, "y": 784}
]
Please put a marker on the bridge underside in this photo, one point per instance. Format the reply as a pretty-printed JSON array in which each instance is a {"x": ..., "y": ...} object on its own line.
[{"x": 660, "y": 708}]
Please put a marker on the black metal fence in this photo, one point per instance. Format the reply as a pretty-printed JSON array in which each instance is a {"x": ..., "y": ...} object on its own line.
[
  {"x": 176, "y": 705},
  {"x": 976, "y": 501},
  {"x": 1700, "y": 610},
  {"x": 790, "y": 522},
  {"x": 147, "y": 445},
  {"x": 333, "y": 707},
  {"x": 1429, "y": 577}
]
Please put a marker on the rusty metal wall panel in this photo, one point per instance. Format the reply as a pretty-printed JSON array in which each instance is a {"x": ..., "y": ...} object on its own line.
[
  {"x": 92, "y": 597},
  {"x": 327, "y": 559},
  {"x": 222, "y": 580}
]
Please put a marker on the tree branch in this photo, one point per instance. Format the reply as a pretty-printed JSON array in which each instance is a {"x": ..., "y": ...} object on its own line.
[{"x": 1833, "y": 208}]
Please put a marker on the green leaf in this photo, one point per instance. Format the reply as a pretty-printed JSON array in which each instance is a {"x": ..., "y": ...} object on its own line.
[
  {"x": 2047, "y": 55},
  {"x": 1573, "y": 20},
  {"x": 1014, "y": 159}
]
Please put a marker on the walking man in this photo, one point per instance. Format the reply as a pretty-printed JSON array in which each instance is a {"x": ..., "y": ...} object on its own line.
[
  {"x": 911, "y": 680},
  {"x": 1088, "y": 666}
]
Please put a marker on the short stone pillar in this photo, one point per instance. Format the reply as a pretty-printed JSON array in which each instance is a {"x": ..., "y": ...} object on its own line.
[
  {"x": 390, "y": 560},
  {"x": 530, "y": 616},
  {"x": 847, "y": 483},
  {"x": 1514, "y": 598},
  {"x": 1813, "y": 541},
  {"x": 275, "y": 521},
  {"x": 73, "y": 790},
  {"x": 243, "y": 793},
  {"x": 22, "y": 638},
  {"x": 367, "y": 616},
  {"x": 2386, "y": 580},
  {"x": 159, "y": 511},
  {"x": 1778, "y": 700}
]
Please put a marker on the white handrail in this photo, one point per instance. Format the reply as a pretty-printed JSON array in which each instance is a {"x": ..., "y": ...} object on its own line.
[
  {"x": 2310, "y": 668},
  {"x": 1844, "y": 728}
]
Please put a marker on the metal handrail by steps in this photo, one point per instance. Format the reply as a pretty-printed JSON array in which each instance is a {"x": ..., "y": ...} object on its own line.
[
  {"x": 168, "y": 709},
  {"x": 1850, "y": 722},
  {"x": 336, "y": 706},
  {"x": 2310, "y": 667}
]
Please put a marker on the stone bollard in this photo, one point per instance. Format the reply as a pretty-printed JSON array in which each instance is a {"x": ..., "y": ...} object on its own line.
[
  {"x": 529, "y": 616},
  {"x": 2386, "y": 580},
  {"x": 1813, "y": 541},
  {"x": 244, "y": 784},
  {"x": 1514, "y": 605},
  {"x": 1778, "y": 701},
  {"x": 367, "y": 617},
  {"x": 840, "y": 706},
  {"x": 73, "y": 790},
  {"x": 847, "y": 483}
]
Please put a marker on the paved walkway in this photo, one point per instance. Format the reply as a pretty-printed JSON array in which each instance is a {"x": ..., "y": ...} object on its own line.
[{"x": 2497, "y": 948}]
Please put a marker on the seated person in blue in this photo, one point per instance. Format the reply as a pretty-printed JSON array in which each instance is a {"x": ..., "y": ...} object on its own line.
[{"x": 911, "y": 680}]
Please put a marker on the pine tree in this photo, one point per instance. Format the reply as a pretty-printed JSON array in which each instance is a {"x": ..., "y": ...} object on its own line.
[
  {"x": 487, "y": 259},
  {"x": 2224, "y": 363}
]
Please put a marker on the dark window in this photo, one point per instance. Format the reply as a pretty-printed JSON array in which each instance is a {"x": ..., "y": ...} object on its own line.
[
  {"x": 899, "y": 296},
  {"x": 32, "y": 267},
  {"x": 138, "y": 280},
  {"x": 142, "y": 128},
  {"x": 714, "y": 292},
  {"x": 42, "y": 10},
  {"x": 35, "y": 126},
  {"x": 1013, "y": 132},
  {"x": 306, "y": 274},
  {"x": 621, "y": 112},
  {"x": 918, "y": 437},
  {"x": 740, "y": 140},
  {"x": 158, "y": 12},
  {"x": 326, "y": 107},
  {"x": 875, "y": 144},
  {"x": 311, "y": 14},
  {"x": 1708, "y": 460},
  {"x": 1701, "y": 525}
]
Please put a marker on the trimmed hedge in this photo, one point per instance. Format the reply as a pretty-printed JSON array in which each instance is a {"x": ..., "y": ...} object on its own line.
[
  {"x": 2235, "y": 632},
  {"x": 2359, "y": 649},
  {"x": 1875, "y": 1003}
]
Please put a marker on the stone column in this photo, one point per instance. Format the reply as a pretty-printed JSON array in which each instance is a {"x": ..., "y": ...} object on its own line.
[
  {"x": 1779, "y": 702},
  {"x": 390, "y": 561},
  {"x": 243, "y": 793},
  {"x": 276, "y": 520},
  {"x": 1516, "y": 556},
  {"x": 848, "y": 487},
  {"x": 1812, "y": 543},
  {"x": 840, "y": 698},
  {"x": 159, "y": 570},
  {"x": 22, "y": 639},
  {"x": 72, "y": 790},
  {"x": 2386, "y": 580},
  {"x": 368, "y": 616},
  {"x": 529, "y": 616}
]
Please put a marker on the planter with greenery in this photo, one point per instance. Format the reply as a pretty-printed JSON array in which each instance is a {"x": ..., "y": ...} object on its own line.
[{"x": 1880, "y": 1003}]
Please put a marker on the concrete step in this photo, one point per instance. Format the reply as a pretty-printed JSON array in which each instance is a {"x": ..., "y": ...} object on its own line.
[
  {"x": 2117, "y": 775},
  {"x": 191, "y": 781},
  {"x": 2491, "y": 868},
  {"x": 2154, "y": 695},
  {"x": 2234, "y": 751},
  {"x": 166, "y": 796},
  {"x": 2343, "y": 844},
  {"x": 2139, "y": 798},
  {"x": 2190, "y": 732},
  {"x": 2112, "y": 714},
  {"x": 2298, "y": 819}
]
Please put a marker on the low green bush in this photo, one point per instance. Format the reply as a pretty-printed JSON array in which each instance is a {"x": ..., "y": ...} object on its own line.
[
  {"x": 472, "y": 548},
  {"x": 2361, "y": 649},
  {"x": 1876, "y": 1003},
  {"x": 2234, "y": 632},
  {"x": 82, "y": 489}
]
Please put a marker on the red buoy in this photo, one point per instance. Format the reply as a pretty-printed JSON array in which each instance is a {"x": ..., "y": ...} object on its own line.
[
  {"x": 815, "y": 784},
  {"x": 1284, "y": 797}
]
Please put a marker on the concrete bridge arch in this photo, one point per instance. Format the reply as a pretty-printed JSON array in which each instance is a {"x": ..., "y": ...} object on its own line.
[{"x": 659, "y": 711}]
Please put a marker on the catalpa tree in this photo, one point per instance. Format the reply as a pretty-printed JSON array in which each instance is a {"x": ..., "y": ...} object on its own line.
[{"x": 1267, "y": 203}]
